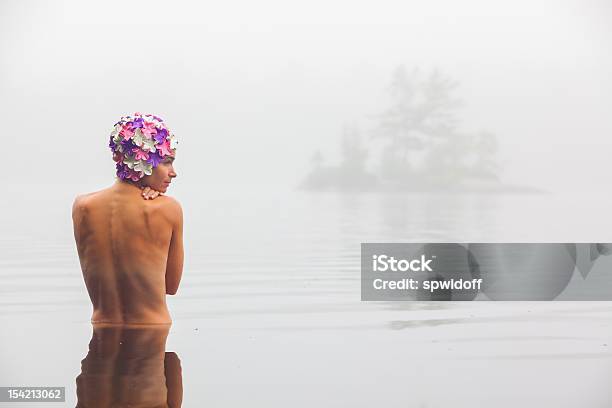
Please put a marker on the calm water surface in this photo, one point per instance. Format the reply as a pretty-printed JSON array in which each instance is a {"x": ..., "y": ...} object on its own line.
[{"x": 269, "y": 314}]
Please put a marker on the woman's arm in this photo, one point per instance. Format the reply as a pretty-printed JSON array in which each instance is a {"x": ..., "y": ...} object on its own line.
[{"x": 174, "y": 266}]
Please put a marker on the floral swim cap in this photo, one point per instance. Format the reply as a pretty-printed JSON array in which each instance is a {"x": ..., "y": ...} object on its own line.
[{"x": 139, "y": 144}]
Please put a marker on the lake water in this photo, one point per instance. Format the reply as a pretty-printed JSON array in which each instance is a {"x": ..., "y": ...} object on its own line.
[{"x": 269, "y": 311}]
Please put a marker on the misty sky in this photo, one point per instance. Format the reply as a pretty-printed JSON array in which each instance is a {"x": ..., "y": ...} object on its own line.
[{"x": 251, "y": 89}]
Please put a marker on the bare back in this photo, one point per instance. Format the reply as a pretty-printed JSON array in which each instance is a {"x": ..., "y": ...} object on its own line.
[{"x": 131, "y": 253}]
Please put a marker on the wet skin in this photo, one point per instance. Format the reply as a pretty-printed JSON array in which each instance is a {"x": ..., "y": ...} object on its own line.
[
  {"x": 127, "y": 366},
  {"x": 130, "y": 249}
]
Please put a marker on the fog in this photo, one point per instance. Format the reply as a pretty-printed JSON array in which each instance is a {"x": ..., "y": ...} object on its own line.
[
  {"x": 268, "y": 97},
  {"x": 253, "y": 89}
]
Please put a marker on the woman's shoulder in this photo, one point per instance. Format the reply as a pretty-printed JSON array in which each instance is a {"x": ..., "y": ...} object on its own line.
[
  {"x": 168, "y": 203},
  {"x": 82, "y": 200},
  {"x": 170, "y": 206}
]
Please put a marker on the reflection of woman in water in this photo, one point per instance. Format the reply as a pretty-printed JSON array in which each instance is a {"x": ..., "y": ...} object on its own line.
[{"x": 129, "y": 367}]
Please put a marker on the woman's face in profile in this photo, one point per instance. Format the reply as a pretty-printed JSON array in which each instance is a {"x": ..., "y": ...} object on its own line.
[{"x": 162, "y": 175}]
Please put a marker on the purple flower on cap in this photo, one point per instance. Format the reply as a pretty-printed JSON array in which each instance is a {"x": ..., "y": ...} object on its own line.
[
  {"x": 161, "y": 135},
  {"x": 128, "y": 145},
  {"x": 138, "y": 123},
  {"x": 122, "y": 171},
  {"x": 154, "y": 159}
]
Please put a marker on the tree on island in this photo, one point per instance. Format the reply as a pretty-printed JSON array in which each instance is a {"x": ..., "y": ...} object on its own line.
[
  {"x": 420, "y": 143},
  {"x": 420, "y": 112},
  {"x": 424, "y": 145}
]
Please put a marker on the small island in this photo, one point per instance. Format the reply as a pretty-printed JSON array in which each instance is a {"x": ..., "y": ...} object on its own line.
[{"x": 417, "y": 146}]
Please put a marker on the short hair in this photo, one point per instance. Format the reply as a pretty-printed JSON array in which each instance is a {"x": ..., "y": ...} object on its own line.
[{"x": 139, "y": 143}]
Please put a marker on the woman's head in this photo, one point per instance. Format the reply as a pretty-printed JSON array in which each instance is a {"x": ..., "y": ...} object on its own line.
[{"x": 144, "y": 149}]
